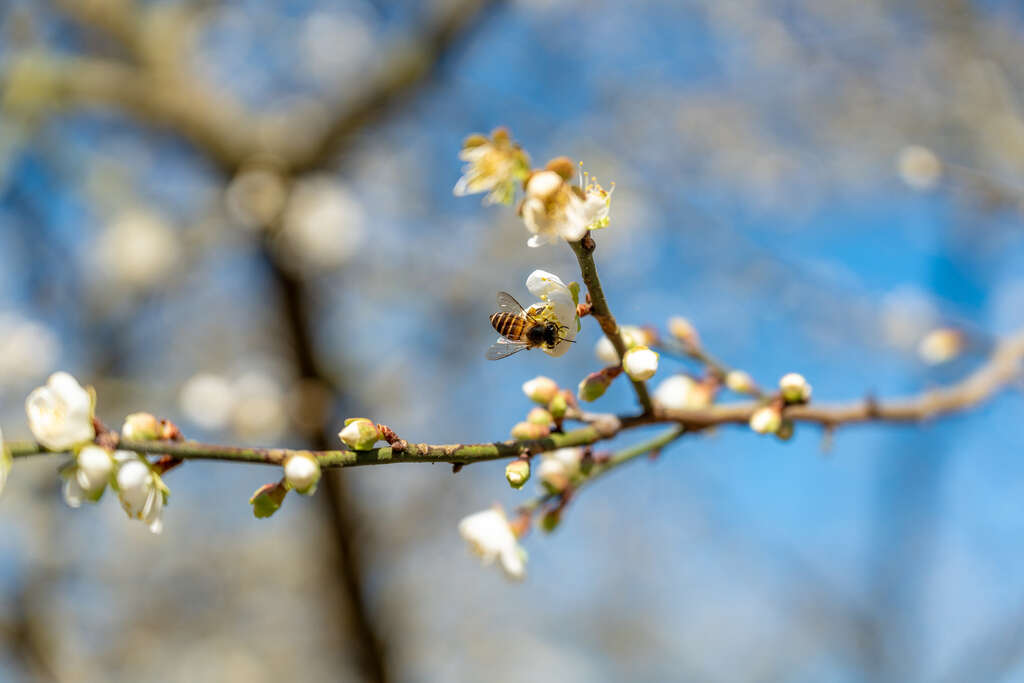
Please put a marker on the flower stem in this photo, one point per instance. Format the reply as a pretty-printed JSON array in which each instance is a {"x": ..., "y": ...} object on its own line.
[{"x": 584, "y": 250}]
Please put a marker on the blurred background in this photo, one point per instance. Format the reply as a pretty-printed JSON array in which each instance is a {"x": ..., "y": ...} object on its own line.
[{"x": 239, "y": 215}]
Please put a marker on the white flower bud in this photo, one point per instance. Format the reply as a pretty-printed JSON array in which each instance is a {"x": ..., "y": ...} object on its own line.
[
  {"x": 684, "y": 331},
  {"x": 517, "y": 473},
  {"x": 681, "y": 392},
  {"x": 359, "y": 434},
  {"x": 491, "y": 538},
  {"x": 640, "y": 363},
  {"x": 540, "y": 389},
  {"x": 60, "y": 413},
  {"x": 766, "y": 420},
  {"x": 141, "y": 491},
  {"x": 302, "y": 472},
  {"x": 88, "y": 476},
  {"x": 795, "y": 388},
  {"x": 941, "y": 345},
  {"x": 740, "y": 382}
]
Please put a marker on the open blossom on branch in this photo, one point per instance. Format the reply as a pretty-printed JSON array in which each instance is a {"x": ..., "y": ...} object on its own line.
[
  {"x": 596, "y": 201},
  {"x": 558, "y": 467},
  {"x": 87, "y": 477},
  {"x": 552, "y": 209},
  {"x": 491, "y": 538},
  {"x": 60, "y": 413},
  {"x": 493, "y": 165},
  {"x": 558, "y": 305},
  {"x": 141, "y": 490}
]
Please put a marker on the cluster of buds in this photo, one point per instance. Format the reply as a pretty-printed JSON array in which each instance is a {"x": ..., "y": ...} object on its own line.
[{"x": 769, "y": 418}]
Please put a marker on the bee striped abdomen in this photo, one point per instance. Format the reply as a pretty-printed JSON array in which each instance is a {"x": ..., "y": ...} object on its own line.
[{"x": 509, "y": 325}]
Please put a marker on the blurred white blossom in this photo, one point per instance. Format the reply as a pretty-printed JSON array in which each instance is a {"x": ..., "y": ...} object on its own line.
[
  {"x": 324, "y": 224},
  {"x": 493, "y": 165},
  {"x": 682, "y": 392},
  {"x": 491, "y": 538},
  {"x": 919, "y": 167},
  {"x": 207, "y": 400},
  {"x": 259, "y": 410},
  {"x": 138, "y": 250},
  {"x": 941, "y": 345},
  {"x": 60, "y": 413},
  {"x": 28, "y": 349}
]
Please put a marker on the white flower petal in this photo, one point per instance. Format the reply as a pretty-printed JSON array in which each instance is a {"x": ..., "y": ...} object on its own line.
[{"x": 73, "y": 492}]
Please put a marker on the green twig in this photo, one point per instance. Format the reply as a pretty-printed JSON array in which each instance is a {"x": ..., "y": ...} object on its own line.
[{"x": 584, "y": 250}]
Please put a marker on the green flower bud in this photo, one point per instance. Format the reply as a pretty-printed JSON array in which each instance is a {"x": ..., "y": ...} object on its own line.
[
  {"x": 794, "y": 388},
  {"x": 595, "y": 384},
  {"x": 141, "y": 427},
  {"x": 528, "y": 431},
  {"x": 517, "y": 473},
  {"x": 539, "y": 416},
  {"x": 558, "y": 406},
  {"x": 267, "y": 499},
  {"x": 550, "y": 520}
]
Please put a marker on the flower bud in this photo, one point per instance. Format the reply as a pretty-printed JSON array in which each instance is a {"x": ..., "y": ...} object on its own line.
[
  {"x": 795, "y": 388},
  {"x": 593, "y": 386},
  {"x": 359, "y": 434},
  {"x": 640, "y": 363},
  {"x": 267, "y": 499},
  {"x": 941, "y": 345},
  {"x": 558, "y": 406},
  {"x": 528, "y": 431},
  {"x": 517, "y": 473},
  {"x": 683, "y": 331},
  {"x": 302, "y": 473},
  {"x": 766, "y": 420},
  {"x": 539, "y": 416},
  {"x": 141, "y": 427},
  {"x": 739, "y": 381},
  {"x": 550, "y": 520},
  {"x": 681, "y": 392},
  {"x": 540, "y": 389}
]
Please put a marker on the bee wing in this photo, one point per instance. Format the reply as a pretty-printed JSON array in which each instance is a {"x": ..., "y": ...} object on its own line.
[
  {"x": 504, "y": 348},
  {"x": 508, "y": 303}
]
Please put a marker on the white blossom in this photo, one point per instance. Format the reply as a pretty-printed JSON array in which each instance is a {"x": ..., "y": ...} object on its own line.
[
  {"x": 60, "y": 413},
  {"x": 640, "y": 363},
  {"x": 596, "y": 201},
  {"x": 557, "y": 305},
  {"x": 324, "y": 224},
  {"x": 491, "y": 538},
  {"x": 941, "y": 345},
  {"x": 28, "y": 349},
  {"x": 493, "y": 165},
  {"x": 552, "y": 209},
  {"x": 87, "y": 478},
  {"x": 141, "y": 490},
  {"x": 558, "y": 467}
]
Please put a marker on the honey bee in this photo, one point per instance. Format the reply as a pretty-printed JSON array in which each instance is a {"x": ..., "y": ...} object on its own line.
[{"x": 519, "y": 329}]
